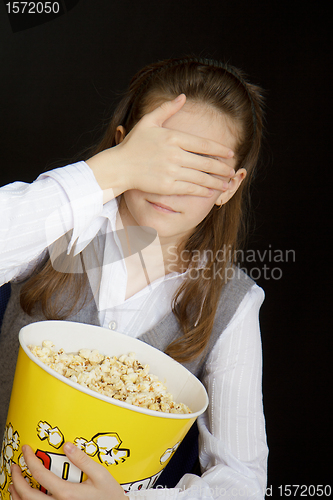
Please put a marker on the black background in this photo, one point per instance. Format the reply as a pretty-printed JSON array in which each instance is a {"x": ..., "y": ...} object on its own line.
[{"x": 59, "y": 82}]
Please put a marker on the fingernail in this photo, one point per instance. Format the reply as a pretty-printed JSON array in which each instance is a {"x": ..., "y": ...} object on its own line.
[
  {"x": 232, "y": 172},
  {"x": 179, "y": 98},
  {"x": 230, "y": 153},
  {"x": 225, "y": 185},
  {"x": 69, "y": 447}
]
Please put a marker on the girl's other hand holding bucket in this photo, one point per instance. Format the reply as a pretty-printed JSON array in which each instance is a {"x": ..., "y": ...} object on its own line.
[{"x": 100, "y": 484}]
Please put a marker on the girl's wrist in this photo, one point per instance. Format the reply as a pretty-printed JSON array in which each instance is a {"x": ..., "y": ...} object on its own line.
[{"x": 109, "y": 173}]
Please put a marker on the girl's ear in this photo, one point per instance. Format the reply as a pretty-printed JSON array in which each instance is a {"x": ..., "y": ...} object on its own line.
[
  {"x": 234, "y": 184},
  {"x": 120, "y": 134}
]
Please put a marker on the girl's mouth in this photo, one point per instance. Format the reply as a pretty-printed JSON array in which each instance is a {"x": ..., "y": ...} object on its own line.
[{"x": 160, "y": 207}]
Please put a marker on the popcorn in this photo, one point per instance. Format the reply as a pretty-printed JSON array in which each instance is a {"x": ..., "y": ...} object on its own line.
[{"x": 123, "y": 378}]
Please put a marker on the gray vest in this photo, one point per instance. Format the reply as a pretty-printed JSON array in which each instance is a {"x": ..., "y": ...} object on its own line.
[{"x": 160, "y": 336}]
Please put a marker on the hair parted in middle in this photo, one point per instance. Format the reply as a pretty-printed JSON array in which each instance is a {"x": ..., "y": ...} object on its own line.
[{"x": 227, "y": 91}]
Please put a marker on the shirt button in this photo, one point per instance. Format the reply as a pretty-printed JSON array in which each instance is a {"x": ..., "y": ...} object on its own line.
[{"x": 112, "y": 325}]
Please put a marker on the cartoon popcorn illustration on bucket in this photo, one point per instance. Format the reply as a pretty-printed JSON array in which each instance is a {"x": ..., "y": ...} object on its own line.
[
  {"x": 106, "y": 446},
  {"x": 10, "y": 453},
  {"x": 10, "y": 445},
  {"x": 53, "y": 435}
]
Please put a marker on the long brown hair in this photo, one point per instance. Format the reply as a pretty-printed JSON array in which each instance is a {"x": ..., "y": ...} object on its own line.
[{"x": 227, "y": 90}]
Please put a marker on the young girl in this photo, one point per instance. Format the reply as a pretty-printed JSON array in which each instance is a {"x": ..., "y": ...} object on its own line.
[{"x": 140, "y": 238}]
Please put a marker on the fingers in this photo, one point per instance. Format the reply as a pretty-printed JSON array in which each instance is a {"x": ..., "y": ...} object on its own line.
[
  {"x": 103, "y": 484},
  {"x": 13, "y": 493},
  {"x": 100, "y": 483},
  {"x": 204, "y": 181},
  {"x": 201, "y": 146},
  {"x": 206, "y": 164},
  {"x": 51, "y": 482},
  {"x": 186, "y": 188},
  {"x": 20, "y": 489},
  {"x": 186, "y": 141},
  {"x": 43, "y": 476},
  {"x": 166, "y": 110},
  {"x": 201, "y": 173},
  {"x": 92, "y": 469}
]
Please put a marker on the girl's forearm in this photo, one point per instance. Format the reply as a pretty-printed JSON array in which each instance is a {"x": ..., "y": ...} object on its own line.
[{"x": 35, "y": 215}]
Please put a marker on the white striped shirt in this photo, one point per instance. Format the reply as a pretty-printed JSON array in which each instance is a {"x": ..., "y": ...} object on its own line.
[{"x": 233, "y": 449}]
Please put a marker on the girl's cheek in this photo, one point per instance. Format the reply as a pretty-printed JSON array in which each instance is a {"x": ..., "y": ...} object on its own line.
[{"x": 200, "y": 206}]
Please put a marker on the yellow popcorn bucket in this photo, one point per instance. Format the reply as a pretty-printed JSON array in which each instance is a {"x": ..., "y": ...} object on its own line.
[{"x": 47, "y": 409}]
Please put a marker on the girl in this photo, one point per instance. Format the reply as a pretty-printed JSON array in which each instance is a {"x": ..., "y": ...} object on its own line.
[{"x": 140, "y": 238}]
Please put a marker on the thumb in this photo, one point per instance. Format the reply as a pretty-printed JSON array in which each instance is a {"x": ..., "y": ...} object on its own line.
[{"x": 167, "y": 109}]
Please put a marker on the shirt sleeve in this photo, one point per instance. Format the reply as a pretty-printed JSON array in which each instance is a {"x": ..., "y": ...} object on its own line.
[
  {"x": 37, "y": 214},
  {"x": 232, "y": 438}
]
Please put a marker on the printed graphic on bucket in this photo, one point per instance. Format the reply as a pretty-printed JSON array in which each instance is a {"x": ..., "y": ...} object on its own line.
[
  {"x": 105, "y": 445},
  {"x": 46, "y": 410}
]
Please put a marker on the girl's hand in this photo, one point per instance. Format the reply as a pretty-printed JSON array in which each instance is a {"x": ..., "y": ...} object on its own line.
[
  {"x": 100, "y": 485},
  {"x": 155, "y": 159}
]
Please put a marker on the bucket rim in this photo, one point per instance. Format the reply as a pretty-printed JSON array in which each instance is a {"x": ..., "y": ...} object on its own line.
[{"x": 107, "y": 399}]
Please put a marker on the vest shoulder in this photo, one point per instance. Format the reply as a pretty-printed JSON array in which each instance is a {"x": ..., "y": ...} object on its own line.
[{"x": 237, "y": 285}]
